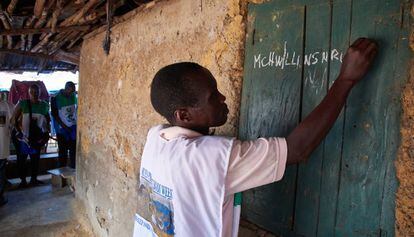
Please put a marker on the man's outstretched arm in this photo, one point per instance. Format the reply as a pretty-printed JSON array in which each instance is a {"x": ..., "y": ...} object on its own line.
[{"x": 310, "y": 132}]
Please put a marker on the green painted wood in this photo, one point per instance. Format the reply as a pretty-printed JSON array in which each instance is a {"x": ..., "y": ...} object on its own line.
[
  {"x": 270, "y": 105},
  {"x": 369, "y": 142},
  {"x": 341, "y": 24},
  {"x": 348, "y": 186},
  {"x": 284, "y": 4},
  {"x": 315, "y": 74}
]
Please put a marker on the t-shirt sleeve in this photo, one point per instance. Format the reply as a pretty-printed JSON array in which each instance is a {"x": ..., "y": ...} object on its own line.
[{"x": 255, "y": 163}]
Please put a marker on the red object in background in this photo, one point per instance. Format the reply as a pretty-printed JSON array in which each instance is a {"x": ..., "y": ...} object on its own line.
[{"x": 19, "y": 90}]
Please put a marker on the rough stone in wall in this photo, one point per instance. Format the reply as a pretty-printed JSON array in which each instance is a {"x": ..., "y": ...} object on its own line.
[
  {"x": 405, "y": 162},
  {"x": 114, "y": 107}
]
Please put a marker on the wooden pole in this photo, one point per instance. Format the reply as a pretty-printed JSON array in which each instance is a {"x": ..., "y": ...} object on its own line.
[{"x": 107, "y": 41}]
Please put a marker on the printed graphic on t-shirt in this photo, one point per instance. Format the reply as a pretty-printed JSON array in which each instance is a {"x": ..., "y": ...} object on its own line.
[
  {"x": 3, "y": 117},
  {"x": 159, "y": 210},
  {"x": 68, "y": 115}
]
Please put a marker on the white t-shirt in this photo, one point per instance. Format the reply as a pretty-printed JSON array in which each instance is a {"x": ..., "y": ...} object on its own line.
[
  {"x": 6, "y": 110},
  {"x": 201, "y": 174}
]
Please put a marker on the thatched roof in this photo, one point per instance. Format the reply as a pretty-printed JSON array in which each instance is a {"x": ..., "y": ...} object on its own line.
[{"x": 45, "y": 35}]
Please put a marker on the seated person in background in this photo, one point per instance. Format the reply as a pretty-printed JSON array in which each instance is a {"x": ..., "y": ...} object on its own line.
[
  {"x": 32, "y": 123},
  {"x": 64, "y": 107}
]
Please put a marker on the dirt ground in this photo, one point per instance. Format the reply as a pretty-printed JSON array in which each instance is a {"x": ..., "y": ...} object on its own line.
[{"x": 42, "y": 211}]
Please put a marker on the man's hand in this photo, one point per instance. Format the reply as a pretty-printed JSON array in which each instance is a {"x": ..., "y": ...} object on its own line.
[
  {"x": 357, "y": 60},
  {"x": 310, "y": 132}
]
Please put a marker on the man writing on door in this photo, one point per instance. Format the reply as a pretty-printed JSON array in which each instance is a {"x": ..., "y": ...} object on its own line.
[{"x": 188, "y": 177}]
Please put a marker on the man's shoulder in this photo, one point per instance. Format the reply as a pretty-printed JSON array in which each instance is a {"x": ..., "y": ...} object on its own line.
[
  {"x": 71, "y": 99},
  {"x": 156, "y": 128},
  {"x": 59, "y": 94},
  {"x": 185, "y": 135},
  {"x": 212, "y": 143},
  {"x": 214, "y": 140}
]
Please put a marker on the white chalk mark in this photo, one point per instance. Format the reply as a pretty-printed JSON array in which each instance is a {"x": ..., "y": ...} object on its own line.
[
  {"x": 291, "y": 58},
  {"x": 256, "y": 60},
  {"x": 324, "y": 57}
]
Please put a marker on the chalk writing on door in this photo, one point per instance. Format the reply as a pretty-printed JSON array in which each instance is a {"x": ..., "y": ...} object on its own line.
[{"x": 291, "y": 58}]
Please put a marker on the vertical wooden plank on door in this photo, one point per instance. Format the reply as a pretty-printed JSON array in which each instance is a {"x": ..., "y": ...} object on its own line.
[
  {"x": 271, "y": 97},
  {"x": 341, "y": 21},
  {"x": 248, "y": 73},
  {"x": 315, "y": 79},
  {"x": 368, "y": 116}
]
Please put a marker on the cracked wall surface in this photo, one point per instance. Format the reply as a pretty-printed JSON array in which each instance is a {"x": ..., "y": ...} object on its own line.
[
  {"x": 405, "y": 162},
  {"x": 405, "y": 165},
  {"x": 114, "y": 104}
]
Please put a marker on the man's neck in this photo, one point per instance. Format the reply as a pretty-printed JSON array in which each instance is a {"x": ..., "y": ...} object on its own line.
[{"x": 202, "y": 130}]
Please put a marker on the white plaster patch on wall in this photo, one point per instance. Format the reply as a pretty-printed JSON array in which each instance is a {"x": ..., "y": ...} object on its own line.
[{"x": 119, "y": 83}]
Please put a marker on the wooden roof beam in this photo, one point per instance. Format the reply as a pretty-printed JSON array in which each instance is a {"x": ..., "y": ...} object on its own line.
[
  {"x": 11, "y": 7},
  {"x": 45, "y": 12},
  {"x": 59, "y": 56},
  {"x": 55, "y": 15},
  {"x": 44, "y": 38},
  {"x": 38, "y": 8},
  {"x": 7, "y": 26},
  {"x": 25, "y": 31},
  {"x": 78, "y": 15}
]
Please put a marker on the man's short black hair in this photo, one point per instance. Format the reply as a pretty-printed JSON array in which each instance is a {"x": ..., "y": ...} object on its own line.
[
  {"x": 173, "y": 88},
  {"x": 69, "y": 84}
]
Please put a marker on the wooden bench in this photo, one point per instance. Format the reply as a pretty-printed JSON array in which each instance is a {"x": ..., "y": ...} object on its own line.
[
  {"x": 42, "y": 156},
  {"x": 47, "y": 162}
]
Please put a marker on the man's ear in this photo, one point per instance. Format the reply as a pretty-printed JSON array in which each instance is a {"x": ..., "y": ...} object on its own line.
[{"x": 182, "y": 115}]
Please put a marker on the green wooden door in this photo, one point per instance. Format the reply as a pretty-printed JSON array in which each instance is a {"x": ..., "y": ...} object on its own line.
[{"x": 294, "y": 50}]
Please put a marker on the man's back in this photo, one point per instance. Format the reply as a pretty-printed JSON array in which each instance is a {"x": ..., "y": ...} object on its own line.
[{"x": 182, "y": 179}]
